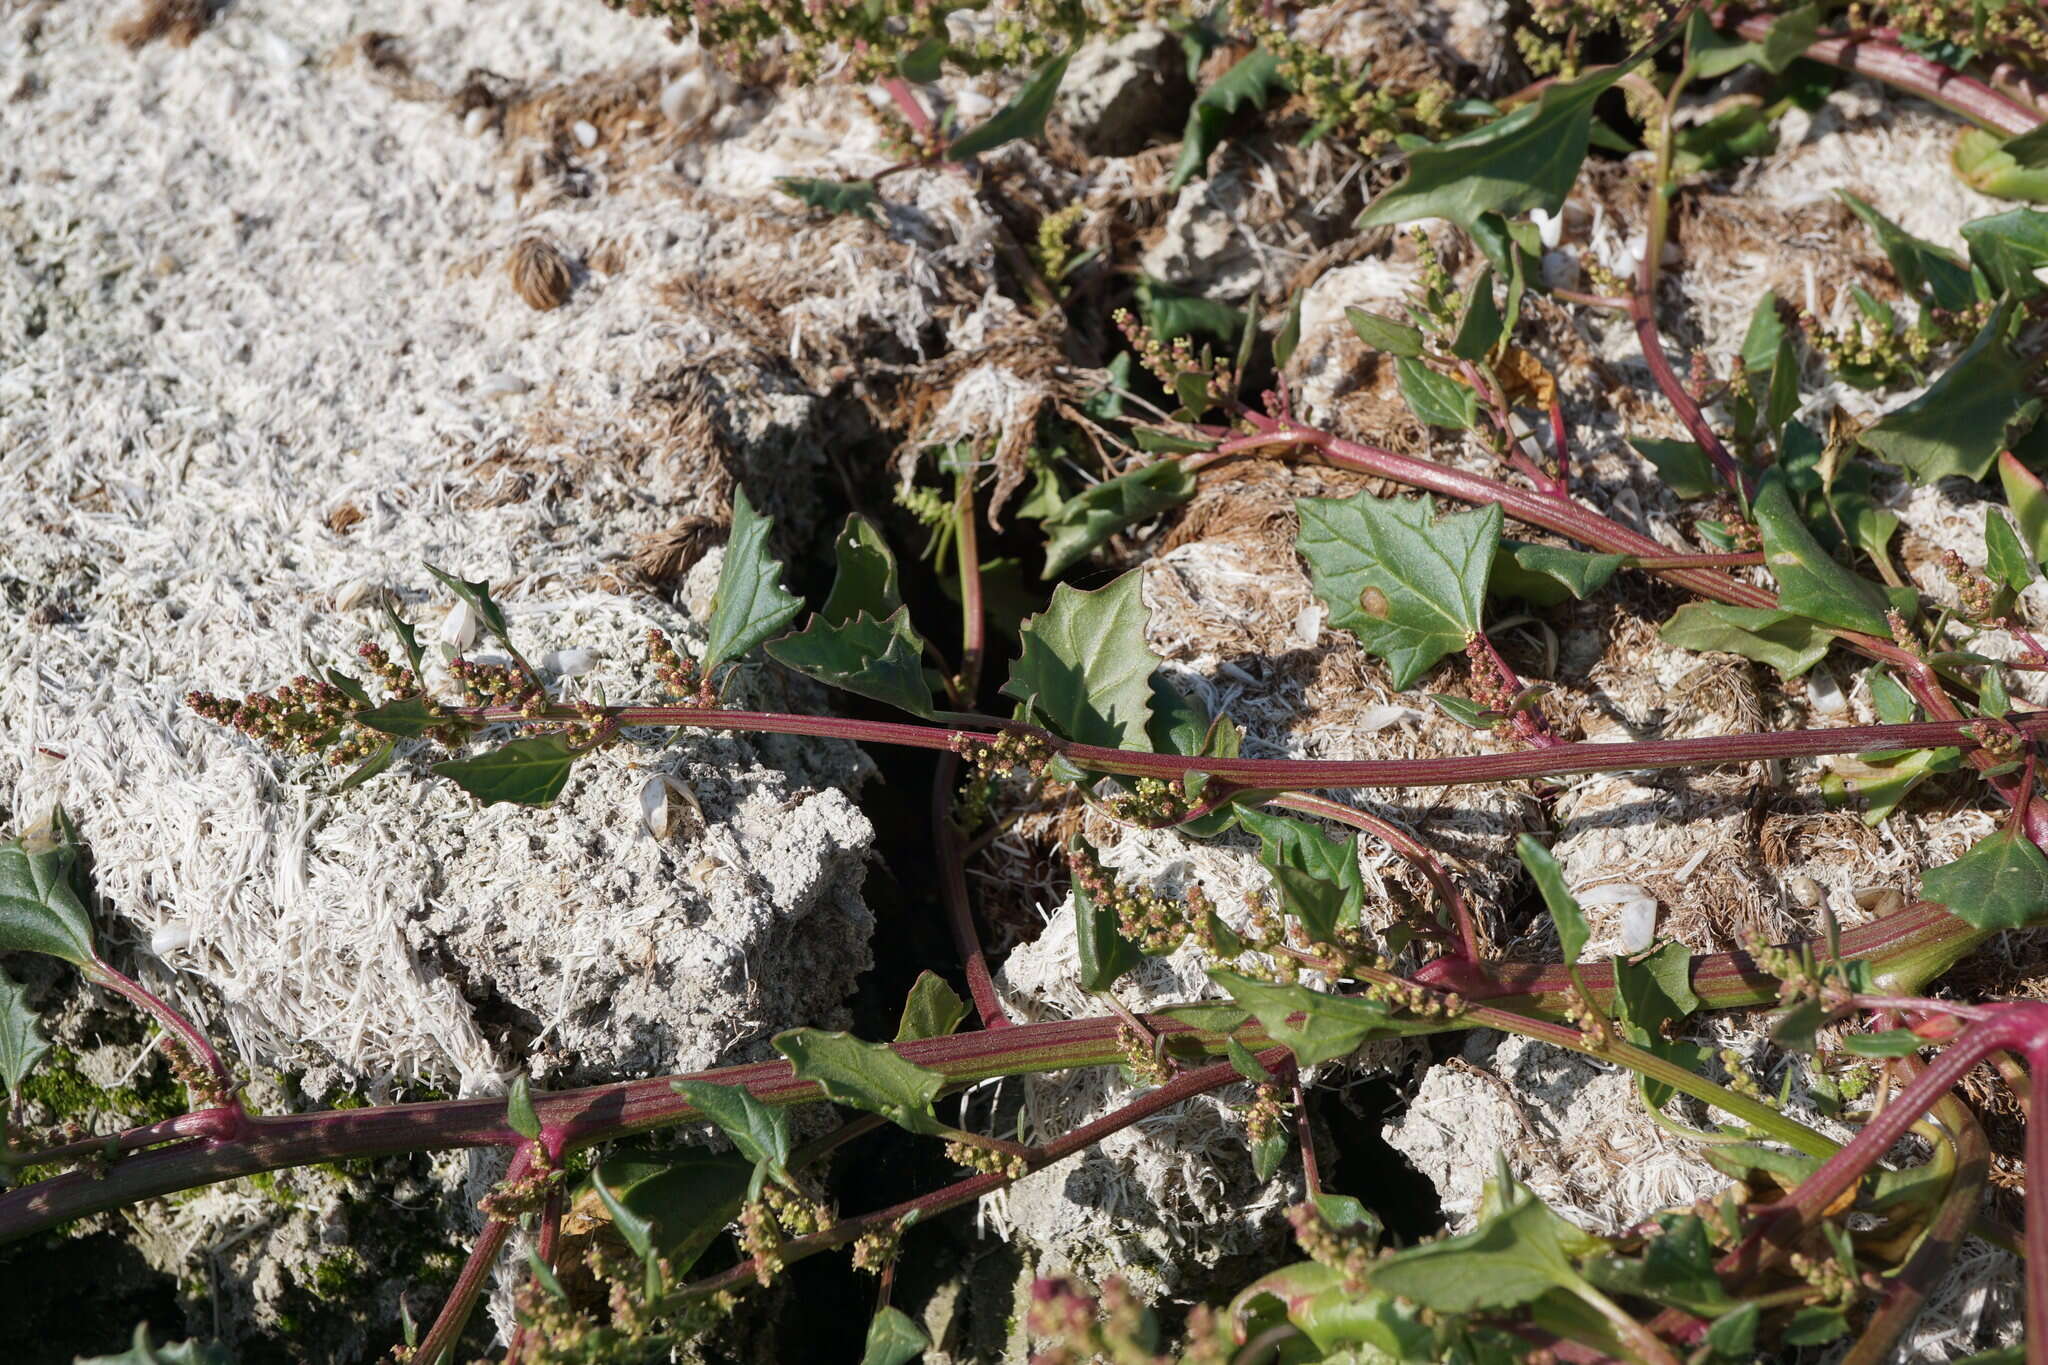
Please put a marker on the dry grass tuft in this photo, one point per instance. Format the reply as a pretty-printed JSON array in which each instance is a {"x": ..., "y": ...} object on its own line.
[
  {"x": 540, "y": 273},
  {"x": 175, "y": 21}
]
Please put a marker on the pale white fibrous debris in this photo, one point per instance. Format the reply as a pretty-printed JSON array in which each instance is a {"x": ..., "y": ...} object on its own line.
[
  {"x": 459, "y": 626},
  {"x": 569, "y": 663}
]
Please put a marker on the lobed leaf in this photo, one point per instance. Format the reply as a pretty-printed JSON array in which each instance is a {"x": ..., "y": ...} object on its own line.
[
  {"x": 1970, "y": 413},
  {"x": 145, "y": 1351},
  {"x": 879, "y": 659},
  {"x": 1251, "y": 81},
  {"x": 1086, "y": 666},
  {"x": 21, "y": 1044},
  {"x": 2001, "y": 883},
  {"x": 760, "y": 1132},
  {"x": 1409, "y": 586},
  {"x": 1087, "y": 520},
  {"x": 750, "y": 603},
  {"x": 865, "y": 580}
]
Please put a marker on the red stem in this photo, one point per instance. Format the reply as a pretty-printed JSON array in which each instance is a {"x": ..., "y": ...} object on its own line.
[
  {"x": 1402, "y": 842},
  {"x": 476, "y": 1274},
  {"x": 952, "y": 862}
]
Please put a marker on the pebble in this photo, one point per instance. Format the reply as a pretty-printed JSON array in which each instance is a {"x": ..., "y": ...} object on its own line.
[{"x": 585, "y": 132}]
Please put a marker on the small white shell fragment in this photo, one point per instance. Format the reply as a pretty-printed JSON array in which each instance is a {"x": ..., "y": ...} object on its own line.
[
  {"x": 569, "y": 663},
  {"x": 1806, "y": 891},
  {"x": 476, "y": 120},
  {"x": 1824, "y": 692},
  {"x": 1638, "y": 925},
  {"x": 1692, "y": 864},
  {"x": 501, "y": 385},
  {"x": 1550, "y": 229},
  {"x": 458, "y": 628},
  {"x": 170, "y": 938},
  {"x": 1384, "y": 717},
  {"x": 669, "y": 807},
  {"x": 353, "y": 594},
  {"x": 585, "y": 132},
  {"x": 1612, "y": 893}
]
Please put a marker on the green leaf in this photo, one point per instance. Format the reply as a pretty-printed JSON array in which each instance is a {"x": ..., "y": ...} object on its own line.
[
  {"x": 1985, "y": 164},
  {"x": 1317, "y": 903},
  {"x": 1385, "y": 334},
  {"x": 1246, "y": 1063},
  {"x": 750, "y": 604},
  {"x": 1022, "y": 117},
  {"x": 1480, "y": 327},
  {"x": 1918, "y": 263},
  {"x": 1771, "y": 365},
  {"x": 1884, "y": 784},
  {"x": 1790, "y": 36},
  {"x": 1787, "y": 642},
  {"x": 933, "y": 1010},
  {"x": 350, "y": 688},
  {"x": 2028, "y": 498},
  {"x": 1897, "y": 1042},
  {"x": 2005, "y": 559},
  {"x": 524, "y": 772},
  {"x": 1436, "y": 398},
  {"x": 379, "y": 759},
  {"x": 1682, "y": 465},
  {"x": 40, "y": 907},
  {"x": 1527, "y": 160},
  {"x": 1572, "y": 930},
  {"x": 879, "y": 659},
  {"x": 1251, "y": 81},
  {"x": 1409, "y": 586},
  {"x": 1088, "y": 519},
  {"x": 636, "y": 1230},
  {"x": 145, "y": 1352},
  {"x": 1156, "y": 441},
  {"x": 2009, "y": 247},
  {"x": 519, "y": 1111},
  {"x": 1810, "y": 582},
  {"x": 1893, "y": 703},
  {"x": 2001, "y": 883},
  {"x": 1105, "y": 954},
  {"x": 688, "y": 1197},
  {"x": 1313, "y": 1026},
  {"x": 1546, "y": 575},
  {"x": 1086, "y": 666},
  {"x": 865, "y": 1075},
  {"x": 1210, "y": 1017},
  {"x": 866, "y": 577},
  {"x": 1740, "y": 133},
  {"x": 408, "y": 640},
  {"x": 1514, "y": 1256},
  {"x": 1467, "y": 712},
  {"x": 761, "y": 1133},
  {"x": 856, "y": 198},
  {"x": 1268, "y": 1153},
  {"x": 1815, "y": 1327},
  {"x": 1289, "y": 335},
  {"x": 1296, "y": 846},
  {"x": 1992, "y": 698},
  {"x": 1733, "y": 1335},
  {"x": 893, "y": 1339},
  {"x": 924, "y": 63},
  {"x": 1676, "y": 1269},
  {"x": 21, "y": 1045},
  {"x": 408, "y": 719},
  {"x": 1711, "y": 53},
  {"x": 1174, "y": 313},
  {"x": 1649, "y": 994},
  {"x": 544, "y": 1275},
  {"x": 1966, "y": 416}
]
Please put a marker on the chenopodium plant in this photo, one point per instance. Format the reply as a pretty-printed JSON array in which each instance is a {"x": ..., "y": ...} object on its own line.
[{"x": 1815, "y": 1241}]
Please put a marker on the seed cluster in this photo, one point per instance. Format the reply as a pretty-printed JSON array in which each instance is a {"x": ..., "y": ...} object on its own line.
[
  {"x": 1348, "y": 1252},
  {"x": 677, "y": 672},
  {"x": 987, "y": 1160},
  {"x": 301, "y": 717}
]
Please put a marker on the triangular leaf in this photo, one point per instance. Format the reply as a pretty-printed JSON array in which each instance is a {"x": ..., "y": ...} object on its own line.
[
  {"x": 1682, "y": 465},
  {"x": 750, "y": 603},
  {"x": 1436, "y": 398},
  {"x": 524, "y": 772},
  {"x": 1296, "y": 846},
  {"x": 1787, "y": 642},
  {"x": 933, "y": 1010},
  {"x": 879, "y": 659},
  {"x": 1023, "y": 116},
  {"x": 40, "y": 908},
  {"x": 1517, "y": 1254},
  {"x": 865, "y": 1075},
  {"x": 2001, "y": 883},
  {"x": 1408, "y": 586},
  {"x": 1966, "y": 416},
  {"x": 1527, "y": 160},
  {"x": 894, "y": 1339},
  {"x": 144, "y": 1351},
  {"x": 1086, "y": 665},
  {"x": 866, "y": 578},
  {"x": 761, "y": 1133},
  {"x": 408, "y": 719},
  {"x": 687, "y": 1197}
]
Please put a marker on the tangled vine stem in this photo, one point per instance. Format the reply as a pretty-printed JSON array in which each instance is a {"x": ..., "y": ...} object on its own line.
[{"x": 1909, "y": 948}]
